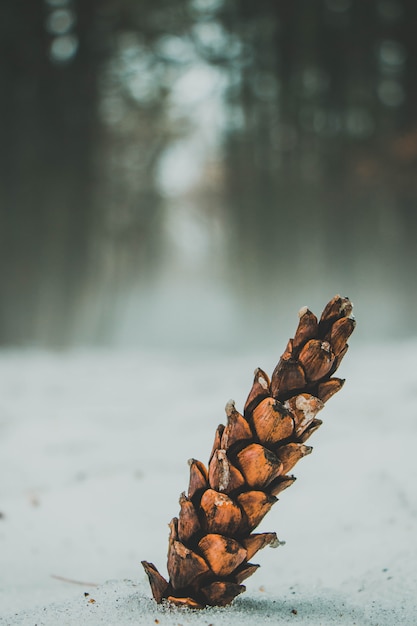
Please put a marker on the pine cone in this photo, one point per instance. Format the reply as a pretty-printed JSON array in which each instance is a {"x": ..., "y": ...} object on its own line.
[{"x": 212, "y": 541}]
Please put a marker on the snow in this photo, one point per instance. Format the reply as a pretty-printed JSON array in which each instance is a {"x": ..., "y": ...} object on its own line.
[
  {"x": 93, "y": 450},
  {"x": 224, "y": 478}
]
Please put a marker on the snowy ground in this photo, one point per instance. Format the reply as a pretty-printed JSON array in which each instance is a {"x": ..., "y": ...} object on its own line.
[{"x": 93, "y": 451}]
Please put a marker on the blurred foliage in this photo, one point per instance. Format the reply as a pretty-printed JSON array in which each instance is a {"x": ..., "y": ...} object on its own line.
[{"x": 284, "y": 134}]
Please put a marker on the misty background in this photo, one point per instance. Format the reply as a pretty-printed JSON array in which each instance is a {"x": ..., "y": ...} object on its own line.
[{"x": 191, "y": 173}]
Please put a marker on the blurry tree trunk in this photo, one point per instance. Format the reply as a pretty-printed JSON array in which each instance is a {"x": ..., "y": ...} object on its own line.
[
  {"x": 48, "y": 122},
  {"x": 307, "y": 169}
]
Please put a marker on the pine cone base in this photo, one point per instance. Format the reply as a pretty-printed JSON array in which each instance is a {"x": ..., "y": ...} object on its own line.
[{"x": 212, "y": 541}]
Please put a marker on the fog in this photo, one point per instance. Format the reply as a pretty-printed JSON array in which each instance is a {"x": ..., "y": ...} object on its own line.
[{"x": 190, "y": 174}]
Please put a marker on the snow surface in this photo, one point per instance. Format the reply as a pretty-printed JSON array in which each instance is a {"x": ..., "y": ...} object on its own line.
[{"x": 93, "y": 458}]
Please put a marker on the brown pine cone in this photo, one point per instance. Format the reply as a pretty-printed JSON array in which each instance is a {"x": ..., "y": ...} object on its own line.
[{"x": 212, "y": 541}]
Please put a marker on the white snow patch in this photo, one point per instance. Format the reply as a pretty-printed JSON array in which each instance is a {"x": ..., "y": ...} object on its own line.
[
  {"x": 221, "y": 499},
  {"x": 263, "y": 382},
  {"x": 230, "y": 407},
  {"x": 275, "y": 543},
  {"x": 225, "y": 470},
  {"x": 309, "y": 406},
  {"x": 92, "y": 463}
]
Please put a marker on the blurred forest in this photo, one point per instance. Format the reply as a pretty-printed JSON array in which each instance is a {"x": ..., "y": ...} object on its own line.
[{"x": 168, "y": 168}]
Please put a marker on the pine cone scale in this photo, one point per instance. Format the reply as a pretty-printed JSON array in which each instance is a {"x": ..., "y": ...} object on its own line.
[
  {"x": 259, "y": 465},
  {"x": 272, "y": 422},
  {"x": 223, "y": 554},
  {"x": 221, "y": 514}
]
